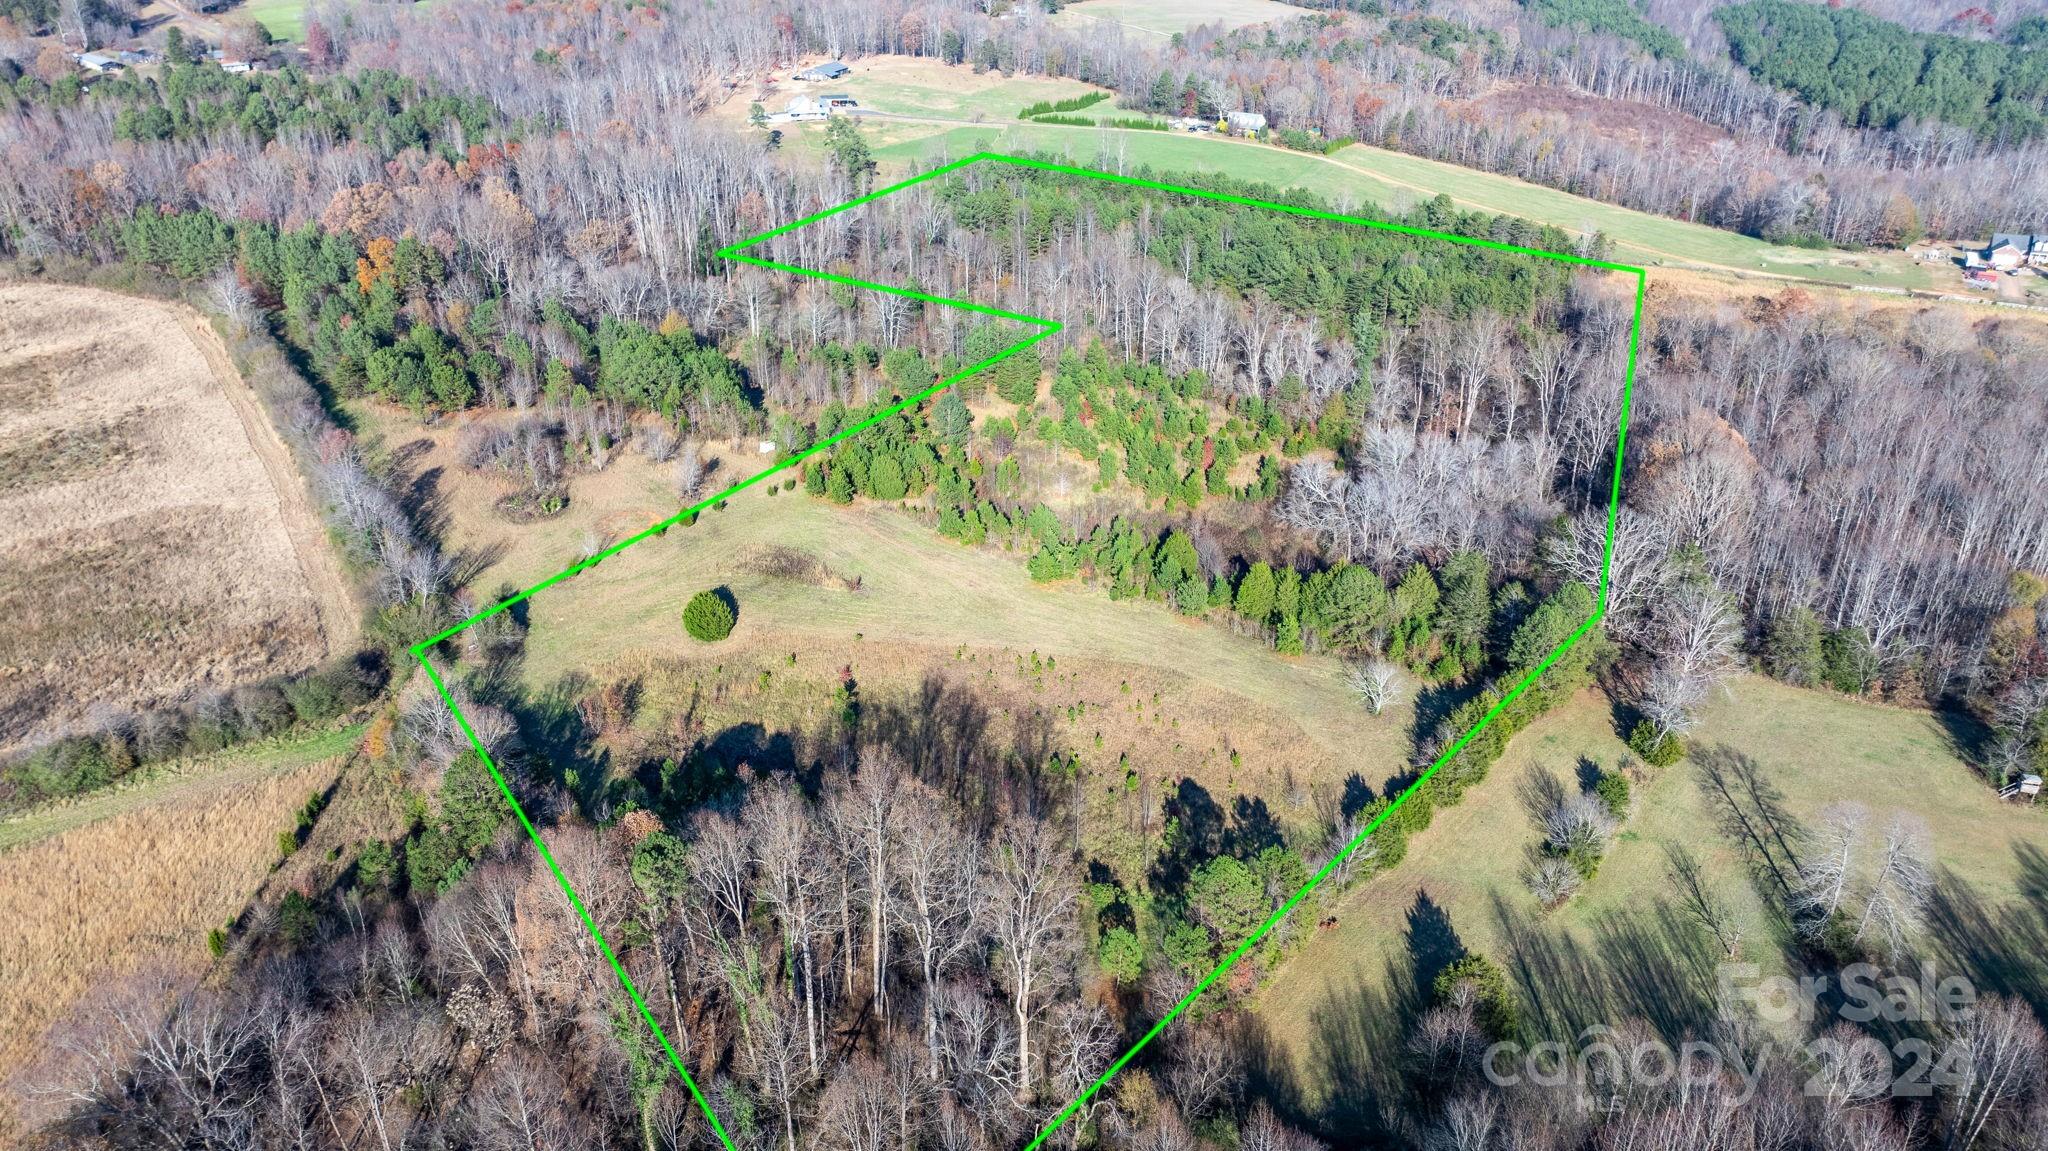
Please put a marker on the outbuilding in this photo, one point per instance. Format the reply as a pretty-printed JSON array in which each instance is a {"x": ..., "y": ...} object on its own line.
[
  {"x": 829, "y": 70},
  {"x": 1245, "y": 123}
]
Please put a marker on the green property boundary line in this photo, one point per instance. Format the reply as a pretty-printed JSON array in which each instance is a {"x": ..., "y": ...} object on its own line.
[{"x": 423, "y": 649}]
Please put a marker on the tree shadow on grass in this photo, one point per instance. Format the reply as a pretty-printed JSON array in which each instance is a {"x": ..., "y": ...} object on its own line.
[
  {"x": 1999, "y": 949},
  {"x": 1969, "y": 738},
  {"x": 1360, "y": 1043},
  {"x": 1647, "y": 963},
  {"x": 553, "y": 728},
  {"x": 1751, "y": 812}
]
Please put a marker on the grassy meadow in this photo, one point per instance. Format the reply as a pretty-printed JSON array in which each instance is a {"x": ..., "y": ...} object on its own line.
[
  {"x": 877, "y": 590},
  {"x": 286, "y": 19},
  {"x": 1355, "y": 177},
  {"x": 1620, "y": 948},
  {"x": 909, "y": 86}
]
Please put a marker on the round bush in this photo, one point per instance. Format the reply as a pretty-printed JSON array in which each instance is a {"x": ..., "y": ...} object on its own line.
[
  {"x": 709, "y": 616},
  {"x": 1658, "y": 749}
]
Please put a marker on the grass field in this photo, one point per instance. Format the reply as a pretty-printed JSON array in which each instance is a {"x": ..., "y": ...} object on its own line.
[
  {"x": 913, "y": 86},
  {"x": 154, "y": 531},
  {"x": 1394, "y": 182},
  {"x": 923, "y": 605},
  {"x": 135, "y": 877},
  {"x": 1356, "y": 175},
  {"x": 286, "y": 19},
  {"x": 1815, "y": 748},
  {"x": 1159, "y": 19}
]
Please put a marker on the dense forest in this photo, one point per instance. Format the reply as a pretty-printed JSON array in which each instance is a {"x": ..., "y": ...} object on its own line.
[{"x": 1877, "y": 74}]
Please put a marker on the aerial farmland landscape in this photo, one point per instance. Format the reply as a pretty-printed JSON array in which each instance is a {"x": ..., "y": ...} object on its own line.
[{"x": 979, "y": 575}]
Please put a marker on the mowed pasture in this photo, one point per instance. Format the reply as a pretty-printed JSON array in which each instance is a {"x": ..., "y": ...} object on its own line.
[
  {"x": 878, "y": 590},
  {"x": 926, "y": 93},
  {"x": 1160, "y": 19},
  {"x": 130, "y": 880},
  {"x": 155, "y": 535},
  {"x": 914, "y": 86},
  {"x": 1620, "y": 947}
]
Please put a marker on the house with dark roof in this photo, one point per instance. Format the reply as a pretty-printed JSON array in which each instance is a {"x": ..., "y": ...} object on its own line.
[
  {"x": 2010, "y": 250},
  {"x": 829, "y": 70}
]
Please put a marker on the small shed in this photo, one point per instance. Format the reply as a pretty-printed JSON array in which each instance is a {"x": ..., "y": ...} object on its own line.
[{"x": 829, "y": 70}]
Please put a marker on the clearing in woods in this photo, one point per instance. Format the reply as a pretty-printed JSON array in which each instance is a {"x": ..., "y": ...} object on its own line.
[
  {"x": 928, "y": 112},
  {"x": 1325, "y": 1010},
  {"x": 423, "y": 650},
  {"x": 157, "y": 536}
]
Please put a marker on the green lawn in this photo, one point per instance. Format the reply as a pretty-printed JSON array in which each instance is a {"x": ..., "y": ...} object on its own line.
[
  {"x": 1815, "y": 748},
  {"x": 1391, "y": 181},
  {"x": 286, "y": 19},
  {"x": 928, "y": 89}
]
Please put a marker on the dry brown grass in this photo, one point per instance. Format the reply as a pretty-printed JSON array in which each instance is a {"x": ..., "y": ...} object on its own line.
[
  {"x": 136, "y": 878},
  {"x": 155, "y": 536}
]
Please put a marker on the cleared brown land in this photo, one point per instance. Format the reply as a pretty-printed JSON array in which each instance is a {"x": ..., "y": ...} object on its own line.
[
  {"x": 133, "y": 879},
  {"x": 156, "y": 536}
]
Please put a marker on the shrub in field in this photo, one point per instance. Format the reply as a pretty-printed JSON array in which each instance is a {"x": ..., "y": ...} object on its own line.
[
  {"x": 1480, "y": 981},
  {"x": 1613, "y": 791},
  {"x": 709, "y": 615},
  {"x": 1552, "y": 880},
  {"x": 1658, "y": 748}
]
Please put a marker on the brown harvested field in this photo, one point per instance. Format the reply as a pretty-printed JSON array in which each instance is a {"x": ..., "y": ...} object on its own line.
[
  {"x": 1540, "y": 106},
  {"x": 156, "y": 535},
  {"x": 135, "y": 877}
]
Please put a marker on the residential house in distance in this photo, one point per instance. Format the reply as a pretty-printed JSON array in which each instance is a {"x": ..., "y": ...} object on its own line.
[
  {"x": 1244, "y": 123},
  {"x": 2009, "y": 251},
  {"x": 97, "y": 62},
  {"x": 829, "y": 70},
  {"x": 819, "y": 107}
]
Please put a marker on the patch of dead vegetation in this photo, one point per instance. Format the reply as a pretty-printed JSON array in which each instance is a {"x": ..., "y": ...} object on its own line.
[
  {"x": 143, "y": 517},
  {"x": 138, "y": 889},
  {"x": 776, "y": 561}
]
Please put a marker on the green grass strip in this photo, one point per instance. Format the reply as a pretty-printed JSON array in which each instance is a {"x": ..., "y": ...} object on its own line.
[{"x": 734, "y": 252}]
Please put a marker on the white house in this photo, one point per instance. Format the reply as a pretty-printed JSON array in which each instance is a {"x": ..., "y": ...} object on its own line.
[{"x": 1245, "y": 123}]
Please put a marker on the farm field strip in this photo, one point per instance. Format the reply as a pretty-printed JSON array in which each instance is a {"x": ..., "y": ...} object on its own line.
[
  {"x": 423, "y": 650},
  {"x": 916, "y": 125},
  {"x": 156, "y": 534}
]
